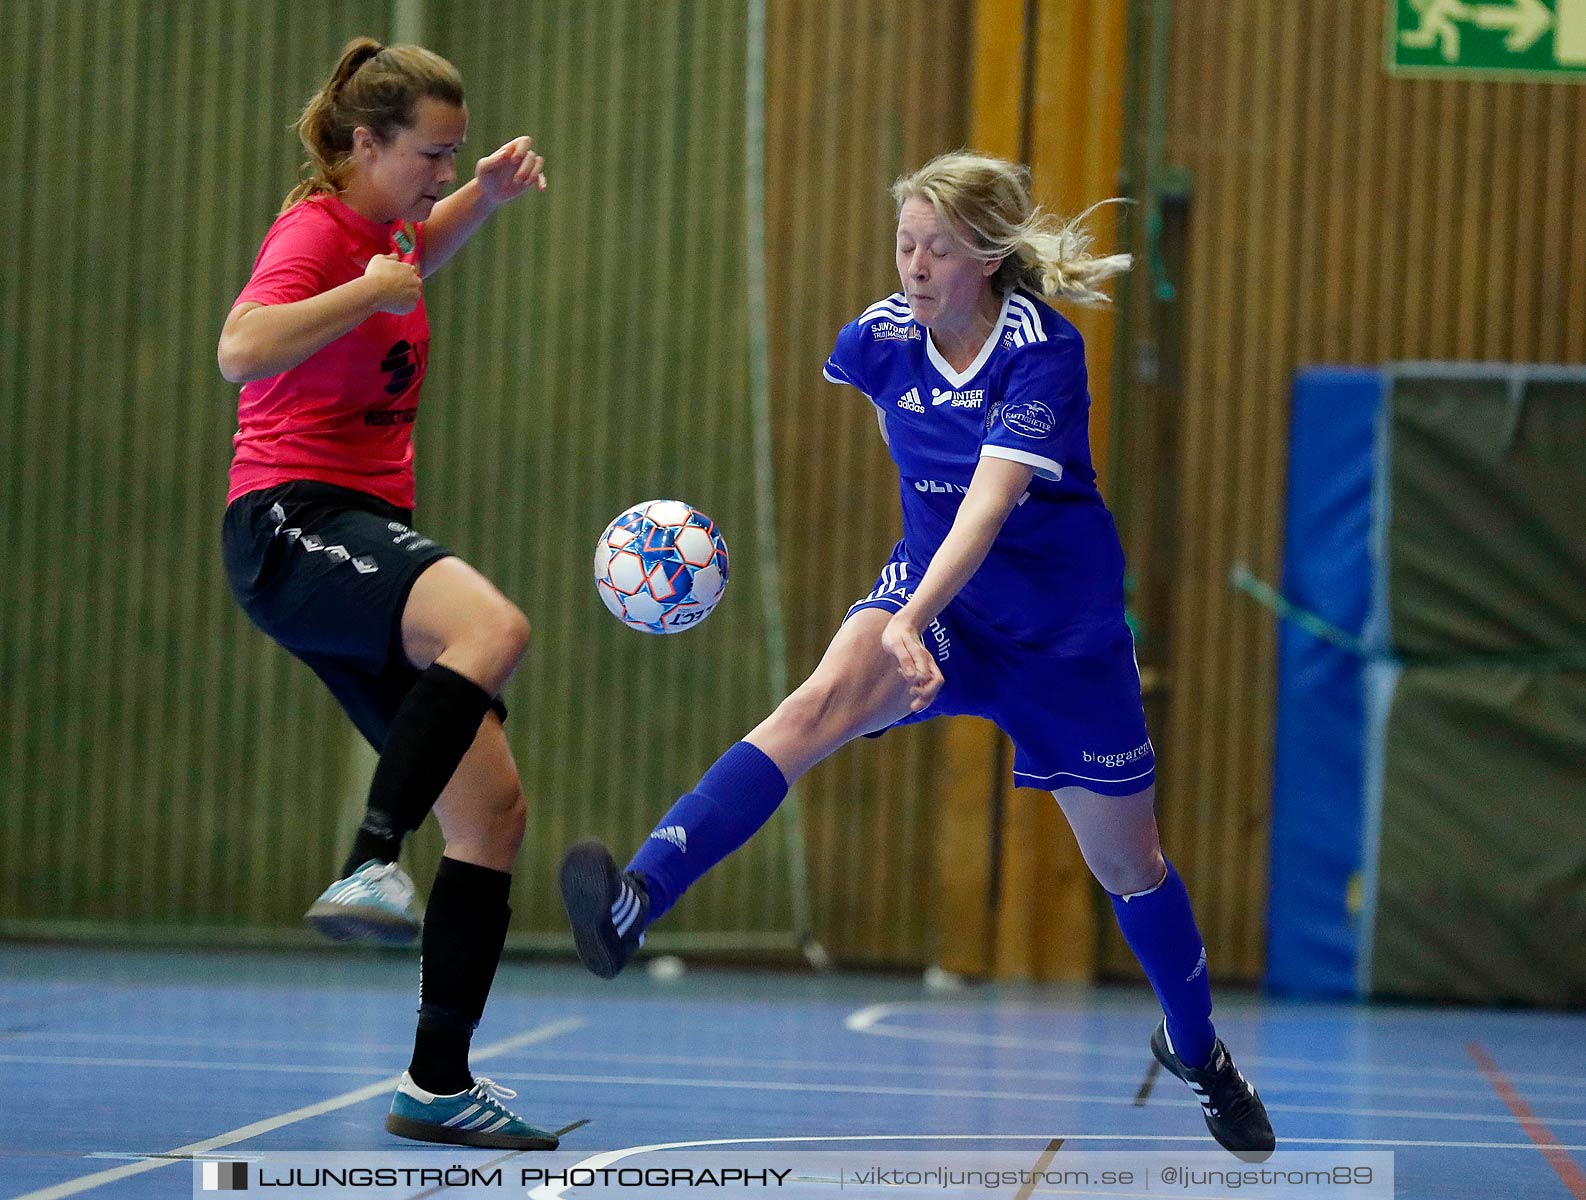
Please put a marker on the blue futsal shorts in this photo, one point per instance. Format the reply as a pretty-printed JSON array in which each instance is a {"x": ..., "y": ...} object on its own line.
[{"x": 1075, "y": 719}]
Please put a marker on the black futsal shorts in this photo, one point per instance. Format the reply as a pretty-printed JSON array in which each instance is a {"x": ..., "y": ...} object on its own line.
[{"x": 326, "y": 572}]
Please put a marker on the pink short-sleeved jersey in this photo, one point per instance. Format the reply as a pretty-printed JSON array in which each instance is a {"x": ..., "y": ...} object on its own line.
[{"x": 345, "y": 414}]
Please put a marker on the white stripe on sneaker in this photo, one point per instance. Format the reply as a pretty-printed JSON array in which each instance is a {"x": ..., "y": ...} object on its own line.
[
  {"x": 462, "y": 1116},
  {"x": 630, "y": 912},
  {"x": 623, "y": 906}
]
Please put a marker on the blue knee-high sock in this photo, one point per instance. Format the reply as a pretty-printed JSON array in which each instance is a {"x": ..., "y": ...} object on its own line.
[
  {"x": 1159, "y": 926},
  {"x": 732, "y": 800}
]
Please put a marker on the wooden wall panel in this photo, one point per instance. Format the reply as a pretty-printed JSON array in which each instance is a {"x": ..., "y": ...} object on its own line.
[
  {"x": 858, "y": 93},
  {"x": 590, "y": 352},
  {"x": 1016, "y": 868},
  {"x": 975, "y": 792},
  {"x": 167, "y": 771},
  {"x": 159, "y": 763},
  {"x": 1075, "y": 157},
  {"x": 1337, "y": 214}
]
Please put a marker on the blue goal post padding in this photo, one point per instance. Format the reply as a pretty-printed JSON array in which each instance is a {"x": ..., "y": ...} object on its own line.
[{"x": 1314, "y": 893}]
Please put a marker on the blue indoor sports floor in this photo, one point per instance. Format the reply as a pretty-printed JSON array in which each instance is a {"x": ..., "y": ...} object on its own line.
[{"x": 118, "y": 1066}]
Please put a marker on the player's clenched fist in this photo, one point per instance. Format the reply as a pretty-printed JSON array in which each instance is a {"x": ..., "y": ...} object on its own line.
[{"x": 399, "y": 287}]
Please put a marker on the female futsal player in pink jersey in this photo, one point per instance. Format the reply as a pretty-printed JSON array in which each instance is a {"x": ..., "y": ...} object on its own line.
[{"x": 329, "y": 340}]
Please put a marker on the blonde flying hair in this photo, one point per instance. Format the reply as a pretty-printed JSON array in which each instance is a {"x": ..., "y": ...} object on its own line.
[
  {"x": 372, "y": 85},
  {"x": 991, "y": 198}
]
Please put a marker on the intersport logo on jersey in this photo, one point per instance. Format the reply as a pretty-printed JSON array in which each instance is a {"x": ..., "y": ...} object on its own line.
[
  {"x": 913, "y": 401},
  {"x": 974, "y": 398}
]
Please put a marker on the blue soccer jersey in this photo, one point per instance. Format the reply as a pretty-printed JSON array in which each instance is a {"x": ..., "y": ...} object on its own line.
[{"x": 1054, "y": 576}]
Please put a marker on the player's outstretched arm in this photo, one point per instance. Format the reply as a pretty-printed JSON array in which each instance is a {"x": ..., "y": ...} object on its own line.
[
  {"x": 499, "y": 177},
  {"x": 993, "y": 491}
]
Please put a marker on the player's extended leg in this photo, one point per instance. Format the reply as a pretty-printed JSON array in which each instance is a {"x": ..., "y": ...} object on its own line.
[
  {"x": 481, "y": 814},
  {"x": 467, "y": 639},
  {"x": 1118, "y": 837},
  {"x": 856, "y": 689}
]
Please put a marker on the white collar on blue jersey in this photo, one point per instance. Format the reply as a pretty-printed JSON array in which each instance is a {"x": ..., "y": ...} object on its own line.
[{"x": 942, "y": 365}]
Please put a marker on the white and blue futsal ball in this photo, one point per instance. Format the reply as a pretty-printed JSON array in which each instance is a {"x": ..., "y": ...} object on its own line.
[{"x": 661, "y": 567}]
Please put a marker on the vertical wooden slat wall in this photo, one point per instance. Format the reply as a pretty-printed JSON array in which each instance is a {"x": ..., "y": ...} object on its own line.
[
  {"x": 857, "y": 93},
  {"x": 588, "y": 353},
  {"x": 158, "y": 761},
  {"x": 1016, "y": 899},
  {"x": 166, "y": 770},
  {"x": 1336, "y": 214},
  {"x": 1047, "y": 917},
  {"x": 975, "y": 784}
]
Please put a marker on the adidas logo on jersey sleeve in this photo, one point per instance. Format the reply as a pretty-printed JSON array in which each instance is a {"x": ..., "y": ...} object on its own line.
[{"x": 1022, "y": 325}]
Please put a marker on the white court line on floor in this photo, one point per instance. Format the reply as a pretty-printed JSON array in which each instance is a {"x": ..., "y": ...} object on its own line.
[
  {"x": 1131, "y": 1078},
  {"x": 1499, "y": 1116},
  {"x": 184, "y": 1153},
  {"x": 606, "y": 1158},
  {"x": 1242, "y": 1008},
  {"x": 191, "y": 1064},
  {"x": 1363, "y": 1082},
  {"x": 176, "y": 1039},
  {"x": 826, "y": 1088},
  {"x": 867, "y": 1020}
]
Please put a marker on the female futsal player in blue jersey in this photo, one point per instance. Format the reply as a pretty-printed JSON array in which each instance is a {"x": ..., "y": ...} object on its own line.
[{"x": 1004, "y": 599}]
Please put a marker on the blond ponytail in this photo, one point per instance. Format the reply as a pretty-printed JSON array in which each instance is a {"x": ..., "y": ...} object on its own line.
[{"x": 991, "y": 198}]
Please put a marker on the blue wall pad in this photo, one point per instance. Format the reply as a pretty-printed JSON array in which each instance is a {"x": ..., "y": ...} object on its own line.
[{"x": 1313, "y": 914}]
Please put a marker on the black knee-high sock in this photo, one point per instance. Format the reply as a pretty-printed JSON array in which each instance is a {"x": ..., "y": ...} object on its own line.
[
  {"x": 430, "y": 733},
  {"x": 465, "y": 927}
]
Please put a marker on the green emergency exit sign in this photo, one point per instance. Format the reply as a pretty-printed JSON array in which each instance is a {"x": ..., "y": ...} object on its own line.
[{"x": 1542, "y": 39}]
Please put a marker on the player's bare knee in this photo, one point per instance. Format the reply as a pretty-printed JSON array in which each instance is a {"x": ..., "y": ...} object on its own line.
[
  {"x": 496, "y": 818},
  {"x": 498, "y": 637},
  {"x": 1125, "y": 874},
  {"x": 509, "y": 628},
  {"x": 520, "y": 636}
]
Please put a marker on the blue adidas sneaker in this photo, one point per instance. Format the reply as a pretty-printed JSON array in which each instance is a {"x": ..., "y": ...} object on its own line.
[
  {"x": 376, "y": 903},
  {"x": 472, "y": 1118}
]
